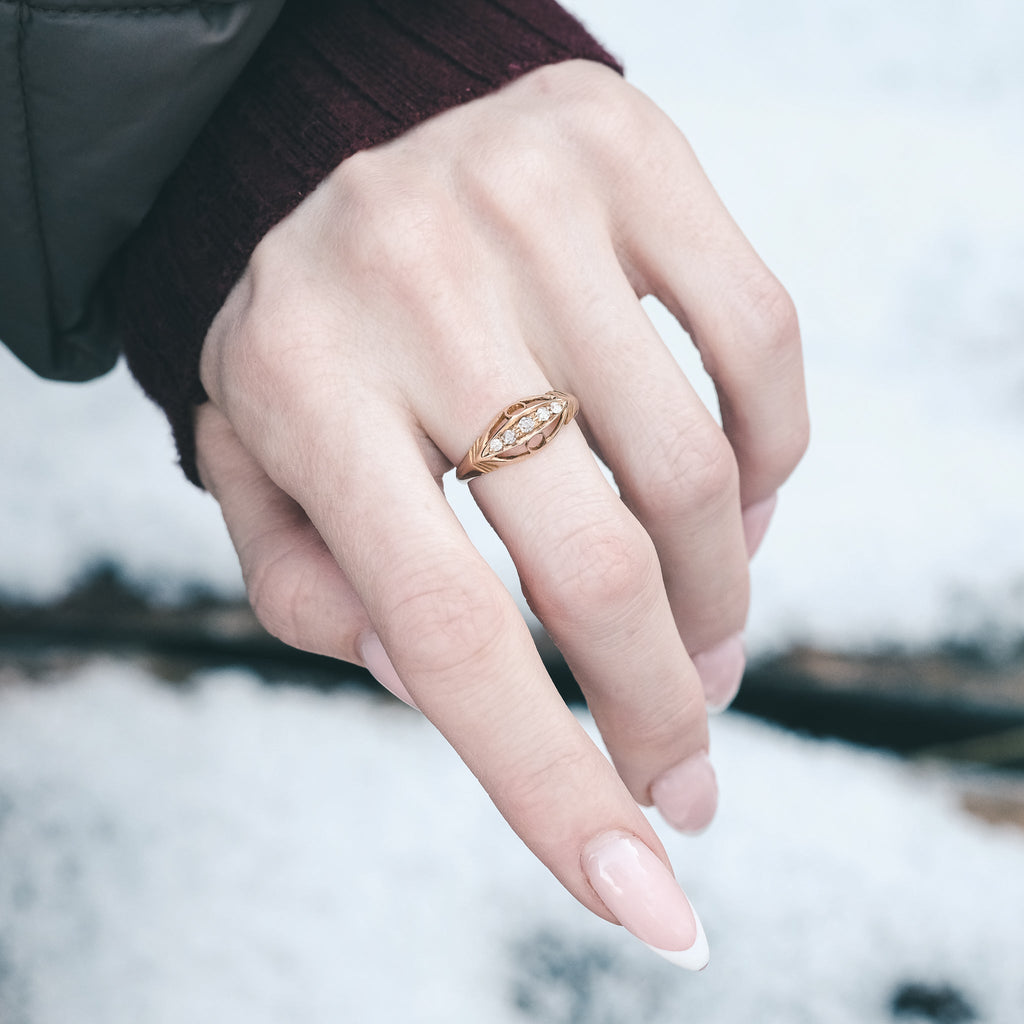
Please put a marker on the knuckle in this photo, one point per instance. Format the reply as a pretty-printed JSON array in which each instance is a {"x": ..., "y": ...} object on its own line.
[
  {"x": 271, "y": 371},
  {"x": 269, "y": 330},
  {"x": 774, "y": 322},
  {"x": 599, "y": 115},
  {"x": 400, "y": 235},
  {"x": 596, "y": 96},
  {"x": 792, "y": 446},
  {"x": 628, "y": 132},
  {"x": 773, "y": 331},
  {"x": 415, "y": 253},
  {"x": 277, "y": 595},
  {"x": 696, "y": 471},
  {"x": 603, "y": 570},
  {"x": 449, "y": 622},
  {"x": 657, "y": 732},
  {"x": 517, "y": 181},
  {"x": 257, "y": 356}
]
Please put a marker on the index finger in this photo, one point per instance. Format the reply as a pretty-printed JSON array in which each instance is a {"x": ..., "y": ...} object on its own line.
[{"x": 460, "y": 646}]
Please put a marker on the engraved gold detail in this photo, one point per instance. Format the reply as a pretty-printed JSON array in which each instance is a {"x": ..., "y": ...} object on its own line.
[{"x": 519, "y": 430}]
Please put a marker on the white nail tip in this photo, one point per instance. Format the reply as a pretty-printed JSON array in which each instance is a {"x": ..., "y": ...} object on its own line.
[{"x": 696, "y": 958}]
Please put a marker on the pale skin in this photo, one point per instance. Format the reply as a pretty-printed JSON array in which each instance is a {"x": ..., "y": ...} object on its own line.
[{"x": 492, "y": 253}]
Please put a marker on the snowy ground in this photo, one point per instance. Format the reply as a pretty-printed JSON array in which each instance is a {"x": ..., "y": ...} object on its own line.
[{"x": 233, "y": 853}]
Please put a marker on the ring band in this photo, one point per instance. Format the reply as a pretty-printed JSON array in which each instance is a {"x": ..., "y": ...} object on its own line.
[{"x": 518, "y": 431}]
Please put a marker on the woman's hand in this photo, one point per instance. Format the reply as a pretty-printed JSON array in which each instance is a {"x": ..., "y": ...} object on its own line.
[{"x": 495, "y": 252}]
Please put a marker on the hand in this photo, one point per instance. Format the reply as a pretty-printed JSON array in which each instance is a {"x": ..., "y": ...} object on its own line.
[{"x": 492, "y": 253}]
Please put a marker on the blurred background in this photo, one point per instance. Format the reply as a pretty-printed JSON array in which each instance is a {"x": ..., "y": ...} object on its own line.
[{"x": 196, "y": 824}]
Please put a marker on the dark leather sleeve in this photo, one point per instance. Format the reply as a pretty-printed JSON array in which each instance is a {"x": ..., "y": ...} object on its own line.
[
  {"x": 333, "y": 77},
  {"x": 99, "y": 102}
]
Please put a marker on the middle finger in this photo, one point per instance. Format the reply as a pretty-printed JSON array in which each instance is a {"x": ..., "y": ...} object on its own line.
[
  {"x": 673, "y": 464},
  {"x": 591, "y": 573}
]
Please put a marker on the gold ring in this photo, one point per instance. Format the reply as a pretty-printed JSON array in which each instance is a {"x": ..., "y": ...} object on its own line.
[{"x": 518, "y": 431}]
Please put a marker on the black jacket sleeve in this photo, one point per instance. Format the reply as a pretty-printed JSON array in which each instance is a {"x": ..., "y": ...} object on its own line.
[{"x": 99, "y": 102}]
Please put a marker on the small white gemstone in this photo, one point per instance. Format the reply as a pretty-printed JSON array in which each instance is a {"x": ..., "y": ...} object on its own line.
[
  {"x": 557, "y": 407},
  {"x": 526, "y": 424},
  {"x": 496, "y": 445},
  {"x": 543, "y": 414},
  {"x": 509, "y": 437}
]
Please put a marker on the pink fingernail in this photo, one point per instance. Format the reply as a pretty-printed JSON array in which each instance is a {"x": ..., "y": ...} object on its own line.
[
  {"x": 755, "y": 522},
  {"x": 641, "y": 892},
  {"x": 687, "y": 795},
  {"x": 378, "y": 664},
  {"x": 721, "y": 672}
]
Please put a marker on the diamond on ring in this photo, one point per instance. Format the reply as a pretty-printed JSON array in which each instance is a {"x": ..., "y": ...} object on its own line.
[{"x": 521, "y": 429}]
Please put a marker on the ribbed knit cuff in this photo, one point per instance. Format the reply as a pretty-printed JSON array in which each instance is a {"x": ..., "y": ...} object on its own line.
[{"x": 333, "y": 77}]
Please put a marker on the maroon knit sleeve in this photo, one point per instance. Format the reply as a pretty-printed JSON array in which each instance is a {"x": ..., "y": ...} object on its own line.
[{"x": 333, "y": 77}]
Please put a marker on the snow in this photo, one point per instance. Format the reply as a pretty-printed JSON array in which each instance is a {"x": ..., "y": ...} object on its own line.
[
  {"x": 224, "y": 851},
  {"x": 231, "y": 852}
]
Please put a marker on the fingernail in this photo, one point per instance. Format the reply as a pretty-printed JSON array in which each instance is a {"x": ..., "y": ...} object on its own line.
[
  {"x": 755, "y": 522},
  {"x": 641, "y": 892},
  {"x": 687, "y": 795},
  {"x": 378, "y": 664},
  {"x": 721, "y": 672}
]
